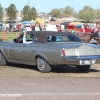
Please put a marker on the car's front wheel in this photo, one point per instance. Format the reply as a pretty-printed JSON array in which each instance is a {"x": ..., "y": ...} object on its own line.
[
  {"x": 3, "y": 61},
  {"x": 43, "y": 65},
  {"x": 83, "y": 67}
]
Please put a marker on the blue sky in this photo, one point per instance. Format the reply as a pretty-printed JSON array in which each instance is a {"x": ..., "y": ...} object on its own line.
[{"x": 47, "y": 5}]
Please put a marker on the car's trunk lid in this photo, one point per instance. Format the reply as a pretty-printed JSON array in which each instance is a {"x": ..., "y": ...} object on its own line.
[{"x": 80, "y": 49}]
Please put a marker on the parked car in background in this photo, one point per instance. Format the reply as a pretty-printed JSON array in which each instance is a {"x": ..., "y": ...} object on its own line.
[{"x": 50, "y": 49}]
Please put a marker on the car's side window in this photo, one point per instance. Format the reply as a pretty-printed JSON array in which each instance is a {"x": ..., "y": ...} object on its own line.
[
  {"x": 29, "y": 37},
  {"x": 57, "y": 38},
  {"x": 74, "y": 38},
  {"x": 63, "y": 38}
]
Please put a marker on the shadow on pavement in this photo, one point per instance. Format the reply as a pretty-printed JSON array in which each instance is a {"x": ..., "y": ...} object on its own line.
[
  {"x": 22, "y": 66},
  {"x": 55, "y": 69},
  {"x": 69, "y": 69}
]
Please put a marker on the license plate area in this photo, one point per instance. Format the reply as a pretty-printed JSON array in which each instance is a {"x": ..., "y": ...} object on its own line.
[{"x": 86, "y": 62}]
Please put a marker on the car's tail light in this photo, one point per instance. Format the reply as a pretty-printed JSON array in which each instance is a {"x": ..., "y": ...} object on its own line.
[{"x": 63, "y": 52}]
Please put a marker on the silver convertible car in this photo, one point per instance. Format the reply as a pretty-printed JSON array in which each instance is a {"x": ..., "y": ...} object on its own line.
[{"x": 50, "y": 49}]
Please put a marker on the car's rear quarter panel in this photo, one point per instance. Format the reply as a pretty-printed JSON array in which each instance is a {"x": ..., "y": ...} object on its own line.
[{"x": 50, "y": 53}]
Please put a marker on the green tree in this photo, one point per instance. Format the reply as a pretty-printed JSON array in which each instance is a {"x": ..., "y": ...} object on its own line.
[
  {"x": 33, "y": 14},
  {"x": 87, "y": 13},
  {"x": 1, "y": 12},
  {"x": 61, "y": 12},
  {"x": 97, "y": 13},
  {"x": 25, "y": 13},
  {"x": 68, "y": 11},
  {"x": 55, "y": 13},
  {"x": 29, "y": 13},
  {"x": 11, "y": 12},
  {"x": 75, "y": 14}
]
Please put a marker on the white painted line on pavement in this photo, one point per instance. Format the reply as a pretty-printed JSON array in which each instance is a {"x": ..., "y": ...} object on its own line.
[{"x": 47, "y": 94}]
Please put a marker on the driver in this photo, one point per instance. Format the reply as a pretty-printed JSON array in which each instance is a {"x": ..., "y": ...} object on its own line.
[{"x": 24, "y": 38}]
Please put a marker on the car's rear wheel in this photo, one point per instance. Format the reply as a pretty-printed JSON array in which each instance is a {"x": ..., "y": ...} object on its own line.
[
  {"x": 43, "y": 65},
  {"x": 3, "y": 61},
  {"x": 83, "y": 67}
]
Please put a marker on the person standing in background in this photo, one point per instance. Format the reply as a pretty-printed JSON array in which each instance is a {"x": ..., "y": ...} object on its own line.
[
  {"x": 37, "y": 27},
  {"x": 95, "y": 33},
  {"x": 51, "y": 26}
]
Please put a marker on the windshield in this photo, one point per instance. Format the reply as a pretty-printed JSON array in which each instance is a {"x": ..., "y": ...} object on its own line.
[{"x": 63, "y": 38}]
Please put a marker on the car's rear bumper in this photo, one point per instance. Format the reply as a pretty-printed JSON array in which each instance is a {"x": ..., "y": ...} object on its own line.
[{"x": 81, "y": 60}]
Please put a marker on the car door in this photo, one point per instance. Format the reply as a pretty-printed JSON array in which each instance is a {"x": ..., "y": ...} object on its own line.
[{"x": 18, "y": 52}]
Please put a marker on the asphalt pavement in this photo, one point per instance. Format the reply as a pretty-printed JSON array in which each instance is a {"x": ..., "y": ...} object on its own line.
[
  {"x": 20, "y": 82},
  {"x": 49, "y": 88}
]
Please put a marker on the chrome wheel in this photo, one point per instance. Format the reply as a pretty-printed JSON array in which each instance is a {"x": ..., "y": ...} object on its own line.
[
  {"x": 43, "y": 65},
  {"x": 40, "y": 63}
]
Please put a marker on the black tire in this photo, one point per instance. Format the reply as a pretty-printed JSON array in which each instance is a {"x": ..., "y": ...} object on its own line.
[
  {"x": 83, "y": 67},
  {"x": 3, "y": 61},
  {"x": 43, "y": 65}
]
